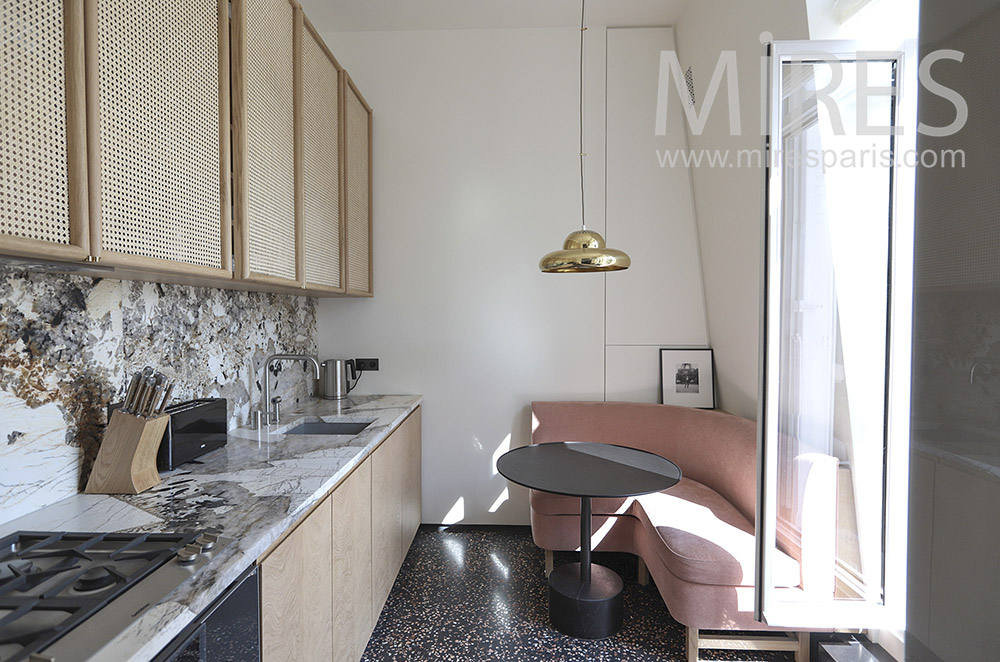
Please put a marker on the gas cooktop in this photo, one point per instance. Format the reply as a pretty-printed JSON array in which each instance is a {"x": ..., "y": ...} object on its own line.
[{"x": 50, "y": 583}]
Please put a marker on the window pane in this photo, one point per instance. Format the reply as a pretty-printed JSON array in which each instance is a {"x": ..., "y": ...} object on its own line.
[{"x": 830, "y": 290}]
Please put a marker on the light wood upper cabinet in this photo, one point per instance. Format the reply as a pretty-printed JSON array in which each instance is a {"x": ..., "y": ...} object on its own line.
[
  {"x": 158, "y": 124},
  {"x": 264, "y": 136},
  {"x": 167, "y": 139},
  {"x": 296, "y": 588},
  {"x": 321, "y": 208},
  {"x": 358, "y": 189},
  {"x": 43, "y": 167}
]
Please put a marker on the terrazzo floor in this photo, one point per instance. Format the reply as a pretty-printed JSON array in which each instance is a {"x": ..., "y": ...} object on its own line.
[{"x": 479, "y": 594}]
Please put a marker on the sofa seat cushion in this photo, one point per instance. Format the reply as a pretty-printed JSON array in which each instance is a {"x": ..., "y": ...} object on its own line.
[
  {"x": 705, "y": 539},
  {"x": 547, "y": 503}
]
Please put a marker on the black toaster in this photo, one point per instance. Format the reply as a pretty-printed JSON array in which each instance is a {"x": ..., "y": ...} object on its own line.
[{"x": 196, "y": 427}]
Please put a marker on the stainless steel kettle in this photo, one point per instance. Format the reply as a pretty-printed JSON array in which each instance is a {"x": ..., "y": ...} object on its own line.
[{"x": 336, "y": 381}]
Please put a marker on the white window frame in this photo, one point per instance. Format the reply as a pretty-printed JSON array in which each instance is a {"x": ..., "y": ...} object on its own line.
[{"x": 890, "y": 615}]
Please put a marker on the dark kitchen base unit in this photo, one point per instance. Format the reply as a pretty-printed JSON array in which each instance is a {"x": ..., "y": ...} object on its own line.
[{"x": 228, "y": 631}]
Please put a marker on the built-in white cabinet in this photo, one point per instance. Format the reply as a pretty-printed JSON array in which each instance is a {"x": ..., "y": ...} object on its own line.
[{"x": 649, "y": 214}]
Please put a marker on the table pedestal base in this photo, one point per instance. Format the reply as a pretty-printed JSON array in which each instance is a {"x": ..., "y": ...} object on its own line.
[{"x": 587, "y": 611}]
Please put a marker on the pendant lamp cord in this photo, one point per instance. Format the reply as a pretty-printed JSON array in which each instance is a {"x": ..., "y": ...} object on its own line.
[{"x": 583, "y": 30}]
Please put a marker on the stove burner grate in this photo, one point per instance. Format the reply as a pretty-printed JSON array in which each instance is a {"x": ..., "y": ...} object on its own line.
[{"x": 51, "y": 582}]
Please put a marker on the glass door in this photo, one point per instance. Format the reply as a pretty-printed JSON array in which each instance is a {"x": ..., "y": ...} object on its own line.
[{"x": 833, "y": 350}]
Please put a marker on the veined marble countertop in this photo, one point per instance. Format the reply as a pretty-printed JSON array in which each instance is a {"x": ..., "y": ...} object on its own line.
[
  {"x": 969, "y": 449},
  {"x": 252, "y": 490}
]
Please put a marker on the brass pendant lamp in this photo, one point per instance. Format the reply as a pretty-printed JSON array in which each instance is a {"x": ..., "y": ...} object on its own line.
[{"x": 584, "y": 251}]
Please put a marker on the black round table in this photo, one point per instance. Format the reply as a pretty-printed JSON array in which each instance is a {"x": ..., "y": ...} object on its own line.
[{"x": 585, "y": 599}]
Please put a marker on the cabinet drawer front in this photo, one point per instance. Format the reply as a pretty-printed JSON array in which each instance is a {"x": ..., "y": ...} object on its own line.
[
  {"x": 321, "y": 163},
  {"x": 42, "y": 154},
  {"x": 161, "y": 73}
]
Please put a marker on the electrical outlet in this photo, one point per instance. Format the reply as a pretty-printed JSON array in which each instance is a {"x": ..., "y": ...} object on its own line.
[{"x": 365, "y": 364}]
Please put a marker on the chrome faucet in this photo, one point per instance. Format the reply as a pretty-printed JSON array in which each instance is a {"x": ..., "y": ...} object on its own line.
[{"x": 268, "y": 410}]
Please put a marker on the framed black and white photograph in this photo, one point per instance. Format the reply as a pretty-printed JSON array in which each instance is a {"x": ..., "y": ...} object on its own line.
[{"x": 688, "y": 378}]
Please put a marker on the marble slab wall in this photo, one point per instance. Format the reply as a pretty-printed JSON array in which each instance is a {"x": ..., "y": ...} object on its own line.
[
  {"x": 952, "y": 330},
  {"x": 70, "y": 342}
]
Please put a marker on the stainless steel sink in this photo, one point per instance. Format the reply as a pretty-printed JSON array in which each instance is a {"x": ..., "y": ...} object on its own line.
[{"x": 322, "y": 427}]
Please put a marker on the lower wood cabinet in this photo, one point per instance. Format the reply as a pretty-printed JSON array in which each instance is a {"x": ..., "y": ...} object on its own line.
[
  {"x": 393, "y": 523},
  {"x": 412, "y": 511},
  {"x": 352, "y": 568},
  {"x": 324, "y": 586},
  {"x": 296, "y": 592}
]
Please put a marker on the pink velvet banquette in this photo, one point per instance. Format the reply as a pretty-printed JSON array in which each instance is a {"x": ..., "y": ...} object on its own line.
[{"x": 697, "y": 538}]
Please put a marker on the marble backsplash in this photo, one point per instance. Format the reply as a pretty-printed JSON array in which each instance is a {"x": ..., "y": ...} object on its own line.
[
  {"x": 69, "y": 343},
  {"x": 952, "y": 330}
]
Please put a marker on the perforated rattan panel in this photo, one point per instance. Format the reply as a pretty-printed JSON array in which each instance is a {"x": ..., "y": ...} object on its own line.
[
  {"x": 270, "y": 157},
  {"x": 34, "y": 202},
  {"x": 321, "y": 165},
  {"x": 358, "y": 229},
  {"x": 158, "y": 65}
]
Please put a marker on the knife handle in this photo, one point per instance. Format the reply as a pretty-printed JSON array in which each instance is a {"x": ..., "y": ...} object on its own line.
[
  {"x": 140, "y": 396},
  {"x": 166, "y": 398},
  {"x": 130, "y": 393},
  {"x": 154, "y": 400}
]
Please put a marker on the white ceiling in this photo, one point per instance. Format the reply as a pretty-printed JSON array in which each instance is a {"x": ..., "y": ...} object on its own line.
[{"x": 354, "y": 15}]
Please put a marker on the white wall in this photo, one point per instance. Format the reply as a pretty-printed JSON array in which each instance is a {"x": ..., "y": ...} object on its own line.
[
  {"x": 475, "y": 171},
  {"x": 728, "y": 199}
]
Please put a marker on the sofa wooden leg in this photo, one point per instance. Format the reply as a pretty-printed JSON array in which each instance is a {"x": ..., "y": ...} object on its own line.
[
  {"x": 802, "y": 654},
  {"x": 643, "y": 571},
  {"x": 549, "y": 562},
  {"x": 692, "y": 644}
]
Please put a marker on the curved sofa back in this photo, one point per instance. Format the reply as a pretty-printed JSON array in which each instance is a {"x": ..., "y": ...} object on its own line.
[{"x": 711, "y": 447}]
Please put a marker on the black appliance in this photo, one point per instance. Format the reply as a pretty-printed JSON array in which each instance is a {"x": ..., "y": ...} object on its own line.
[
  {"x": 228, "y": 631},
  {"x": 196, "y": 427},
  {"x": 64, "y": 596}
]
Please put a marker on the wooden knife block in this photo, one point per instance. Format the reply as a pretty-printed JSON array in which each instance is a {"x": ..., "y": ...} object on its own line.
[{"x": 126, "y": 462}]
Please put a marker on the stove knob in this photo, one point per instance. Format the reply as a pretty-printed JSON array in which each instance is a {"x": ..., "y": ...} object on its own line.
[
  {"x": 188, "y": 555},
  {"x": 207, "y": 541}
]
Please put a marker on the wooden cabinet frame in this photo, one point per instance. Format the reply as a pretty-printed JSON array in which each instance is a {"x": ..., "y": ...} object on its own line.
[
  {"x": 307, "y": 26},
  {"x": 241, "y": 234},
  {"x": 93, "y": 159},
  {"x": 83, "y": 144},
  {"x": 80, "y": 223},
  {"x": 348, "y": 83}
]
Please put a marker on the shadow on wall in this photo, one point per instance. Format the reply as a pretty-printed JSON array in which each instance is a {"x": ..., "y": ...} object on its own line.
[{"x": 503, "y": 496}]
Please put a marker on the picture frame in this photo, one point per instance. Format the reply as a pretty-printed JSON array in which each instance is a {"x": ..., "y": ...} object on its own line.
[{"x": 687, "y": 377}]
